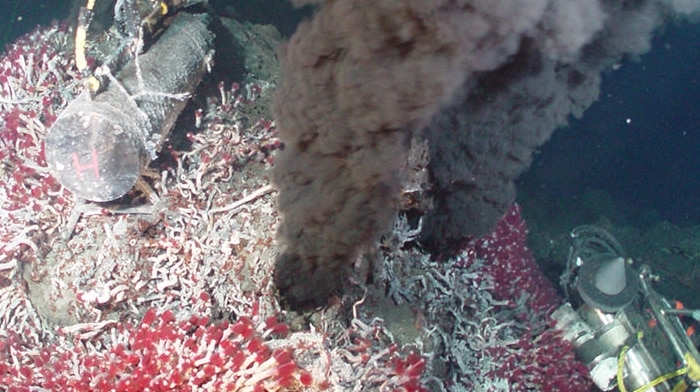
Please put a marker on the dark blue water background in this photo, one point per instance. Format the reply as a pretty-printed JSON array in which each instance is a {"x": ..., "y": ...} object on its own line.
[{"x": 640, "y": 142}]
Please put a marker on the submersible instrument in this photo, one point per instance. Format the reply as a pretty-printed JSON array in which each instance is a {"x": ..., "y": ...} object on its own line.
[
  {"x": 629, "y": 336},
  {"x": 98, "y": 146}
]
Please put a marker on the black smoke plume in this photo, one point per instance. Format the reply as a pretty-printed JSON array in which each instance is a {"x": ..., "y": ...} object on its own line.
[{"x": 484, "y": 81}]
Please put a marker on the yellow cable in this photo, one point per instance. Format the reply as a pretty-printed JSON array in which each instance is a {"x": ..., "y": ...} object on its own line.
[
  {"x": 663, "y": 378},
  {"x": 693, "y": 370},
  {"x": 80, "y": 37},
  {"x": 620, "y": 367}
]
